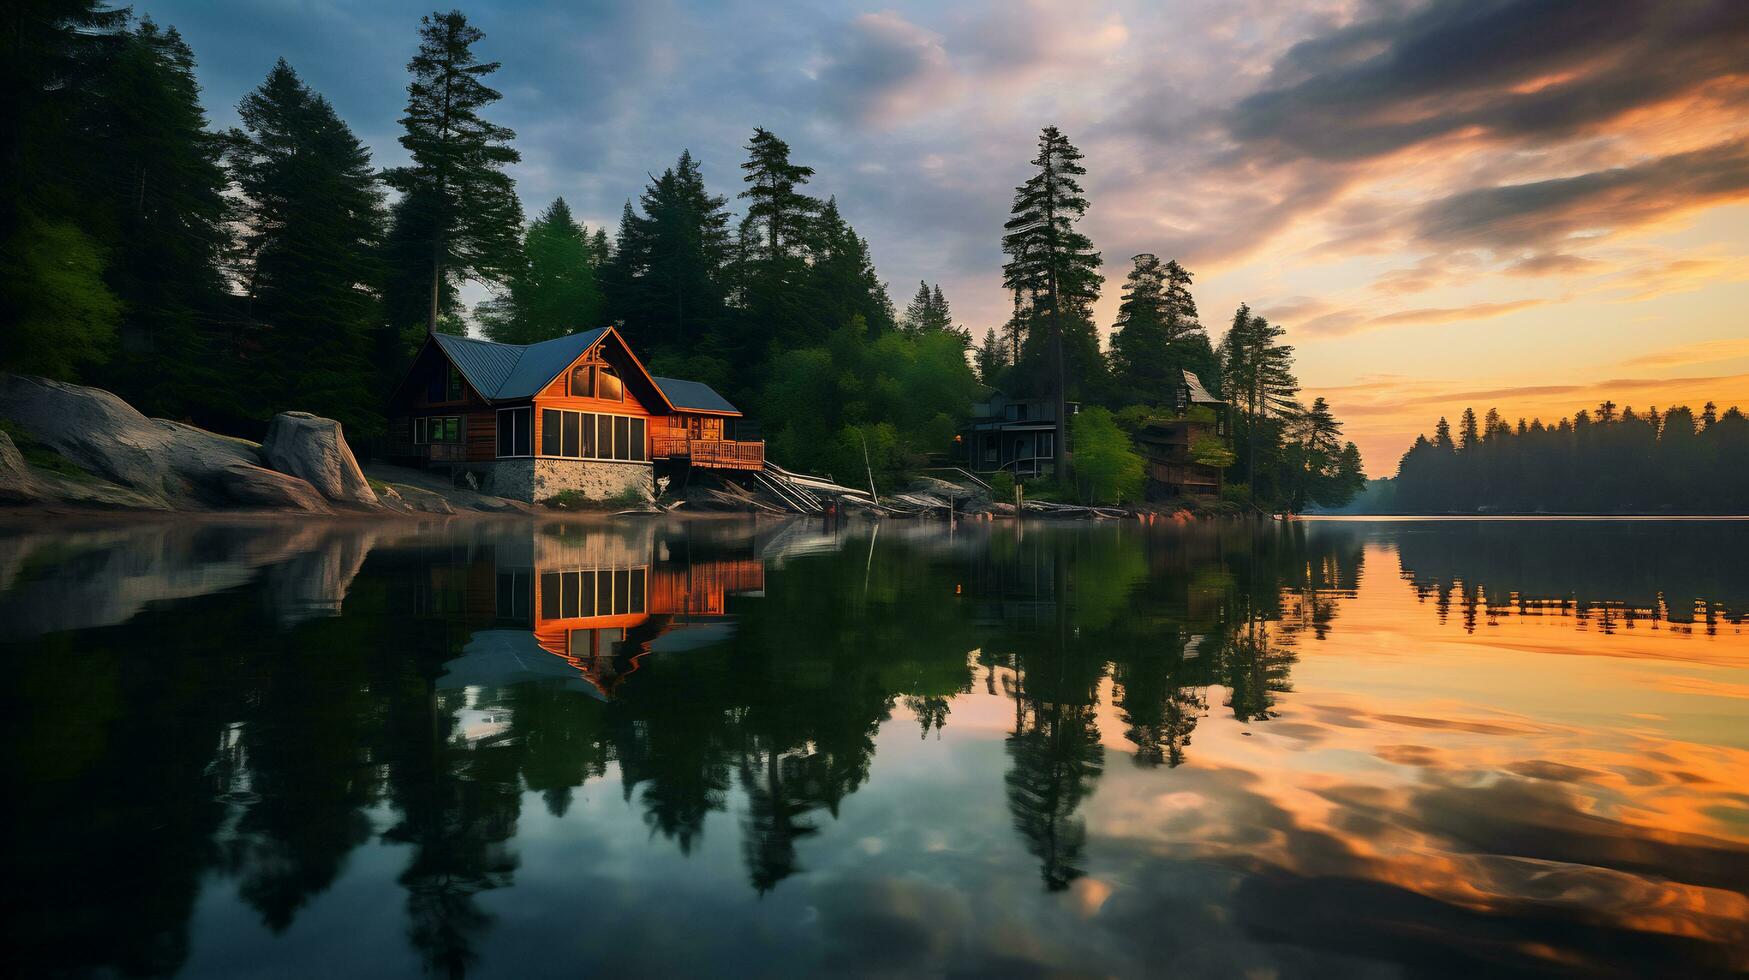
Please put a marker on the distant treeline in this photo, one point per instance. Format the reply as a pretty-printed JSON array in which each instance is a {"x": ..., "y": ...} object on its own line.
[{"x": 1607, "y": 462}]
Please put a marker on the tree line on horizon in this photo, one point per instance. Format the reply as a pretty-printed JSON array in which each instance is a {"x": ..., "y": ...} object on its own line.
[
  {"x": 220, "y": 277},
  {"x": 1602, "y": 462}
]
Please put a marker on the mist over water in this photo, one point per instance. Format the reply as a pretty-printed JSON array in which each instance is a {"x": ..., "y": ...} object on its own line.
[{"x": 506, "y": 748}]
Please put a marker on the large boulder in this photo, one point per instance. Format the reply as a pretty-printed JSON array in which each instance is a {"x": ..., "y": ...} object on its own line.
[
  {"x": 16, "y": 482},
  {"x": 164, "y": 465},
  {"x": 312, "y": 448}
]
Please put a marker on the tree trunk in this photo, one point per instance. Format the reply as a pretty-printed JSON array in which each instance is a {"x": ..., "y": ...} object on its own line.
[{"x": 436, "y": 284}]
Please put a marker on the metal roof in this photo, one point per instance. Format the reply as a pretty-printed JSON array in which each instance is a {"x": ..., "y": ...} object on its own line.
[
  {"x": 695, "y": 395},
  {"x": 1197, "y": 392},
  {"x": 502, "y": 371}
]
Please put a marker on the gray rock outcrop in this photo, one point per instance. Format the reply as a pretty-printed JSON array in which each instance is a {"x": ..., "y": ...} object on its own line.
[
  {"x": 16, "y": 482},
  {"x": 312, "y": 448},
  {"x": 165, "y": 465}
]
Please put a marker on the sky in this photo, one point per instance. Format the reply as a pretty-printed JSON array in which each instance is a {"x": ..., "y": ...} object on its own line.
[{"x": 1529, "y": 206}]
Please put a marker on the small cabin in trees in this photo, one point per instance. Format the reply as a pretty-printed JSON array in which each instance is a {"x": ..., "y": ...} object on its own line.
[
  {"x": 1013, "y": 434},
  {"x": 1168, "y": 445},
  {"x": 577, "y": 413}
]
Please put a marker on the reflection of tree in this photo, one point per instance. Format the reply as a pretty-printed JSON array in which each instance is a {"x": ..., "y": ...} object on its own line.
[
  {"x": 1057, "y": 760},
  {"x": 931, "y": 712},
  {"x": 777, "y": 807},
  {"x": 458, "y": 804},
  {"x": 1256, "y": 670},
  {"x": 1159, "y": 706}
]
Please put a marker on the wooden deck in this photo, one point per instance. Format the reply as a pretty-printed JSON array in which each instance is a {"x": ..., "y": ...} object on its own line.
[{"x": 721, "y": 454}]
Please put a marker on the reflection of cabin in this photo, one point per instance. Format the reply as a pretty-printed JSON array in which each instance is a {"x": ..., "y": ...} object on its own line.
[
  {"x": 1014, "y": 434},
  {"x": 576, "y": 413},
  {"x": 1167, "y": 444},
  {"x": 586, "y": 609}
]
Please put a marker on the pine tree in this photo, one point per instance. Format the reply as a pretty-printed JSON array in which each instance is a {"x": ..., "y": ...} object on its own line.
[
  {"x": 457, "y": 192},
  {"x": 553, "y": 291},
  {"x": 992, "y": 357},
  {"x": 157, "y": 207},
  {"x": 772, "y": 277},
  {"x": 676, "y": 275},
  {"x": 1054, "y": 267},
  {"x": 312, "y": 217},
  {"x": 843, "y": 276},
  {"x": 1257, "y": 375},
  {"x": 928, "y": 311}
]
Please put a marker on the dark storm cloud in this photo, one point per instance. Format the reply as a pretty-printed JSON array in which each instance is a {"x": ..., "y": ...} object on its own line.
[
  {"x": 1507, "y": 69},
  {"x": 1517, "y": 215}
]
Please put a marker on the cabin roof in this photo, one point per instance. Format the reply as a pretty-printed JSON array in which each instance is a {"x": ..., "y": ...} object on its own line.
[
  {"x": 694, "y": 395},
  {"x": 500, "y": 371},
  {"x": 1199, "y": 394}
]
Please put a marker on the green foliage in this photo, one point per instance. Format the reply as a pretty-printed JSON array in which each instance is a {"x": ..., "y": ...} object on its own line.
[
  {"x": 1002, "y": 487},
  {"x": 905, "y": 394},
  {"x": 553, "y": 290},
  {"x": 1208, "y": 449},
  {"x": 51, "y": 282},
  {"x": 1107, "y": 470},
  {"x": 667, "y": 281},
  {"x": 1157, "y": 335}
]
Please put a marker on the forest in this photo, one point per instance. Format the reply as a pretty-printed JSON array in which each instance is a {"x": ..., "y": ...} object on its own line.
[
  {"x": 1610, "y": 461},
  {"x": 220, "y": 277}
]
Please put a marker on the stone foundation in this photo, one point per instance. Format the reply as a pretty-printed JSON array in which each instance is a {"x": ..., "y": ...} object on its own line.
[{"x": 535, "y": 480}]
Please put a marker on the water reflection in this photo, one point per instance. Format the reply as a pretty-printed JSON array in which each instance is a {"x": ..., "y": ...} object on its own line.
[{"x": 300, "y": 715}]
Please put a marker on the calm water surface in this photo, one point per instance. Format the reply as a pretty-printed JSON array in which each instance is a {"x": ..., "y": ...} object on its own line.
[{"x": 717, "y": 747}]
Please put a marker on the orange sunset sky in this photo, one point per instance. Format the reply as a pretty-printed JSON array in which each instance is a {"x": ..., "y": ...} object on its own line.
[{"x": 1501, "y": 203}]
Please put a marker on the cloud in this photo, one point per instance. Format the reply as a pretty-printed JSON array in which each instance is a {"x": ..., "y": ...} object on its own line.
[
  {"x": 884, "y": 69},
  {"x": 1343, "y": 322},
  {"x": 1522, "y": 70},
  {"x": 1547, "y": 211},
  {"x": 1551, "y": 264},
  {"x": 1704, "y": 352}
]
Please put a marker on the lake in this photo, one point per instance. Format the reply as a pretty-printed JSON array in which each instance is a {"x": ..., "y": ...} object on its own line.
[{"x": 509, "y": 748}]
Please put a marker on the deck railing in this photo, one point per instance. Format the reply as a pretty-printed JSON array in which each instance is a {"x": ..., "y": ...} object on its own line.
[{"x": 725, "y": 453}]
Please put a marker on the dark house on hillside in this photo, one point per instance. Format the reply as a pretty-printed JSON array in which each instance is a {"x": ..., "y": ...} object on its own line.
[
  {"x": 575, "y": 413},
  {"x": 1166, "y": 444},
  {"x": 1013, "y": 434}
]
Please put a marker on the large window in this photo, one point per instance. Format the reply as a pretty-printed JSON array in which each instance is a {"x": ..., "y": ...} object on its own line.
[
  {"x": 597, "y": 592},
  {"x": 515, "y": 432},
  {"x": 437, "y": 428},
  {"x": 596, "y": 381},
  {"x": 445, "y": 385},
  {"x": 591, "y": 435}
]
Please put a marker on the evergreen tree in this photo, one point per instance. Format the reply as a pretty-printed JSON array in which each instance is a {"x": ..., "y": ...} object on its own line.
[
  {"x": 992, "y": 357},
  {"x": 553, "y": 291},
  {"x": 1257, "y": 375},
  {"x": 773, "y": 282},
  {"x": 156, "y": 205},
  {"x": 312, "y": 217},
  {"x": 457, "y": 196},
  {"x": 1054, "y": 269},
  {"x": 843, "y": 275},
  {"x": 1141, "y": 363},
  {"x": 670, "y": 276},
  {"x": 928, "y": 311}
]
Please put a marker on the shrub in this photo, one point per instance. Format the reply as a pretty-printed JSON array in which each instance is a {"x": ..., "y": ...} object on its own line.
[
  {"x": 1107, "y": 470},
  {"x": 1002, "y": 487}
]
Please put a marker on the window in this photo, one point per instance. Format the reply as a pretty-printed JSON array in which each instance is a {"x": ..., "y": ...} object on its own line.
[
  {"x": 595, "y": 592},
  {"x": 1046, "y": 443},
  {"x": 437, "y": 428},
  {"x": 445, "y": 385},
  {"x": 514, "y": 431},
  {"x": 453, "y": 384},
  {"x": 581, "y": 386},
  {"x": 551, "y": 425},
  {"x": 990, "y": 449},
  {"x": 592, "y": 435},
  {"x": 608, "y": 387}
]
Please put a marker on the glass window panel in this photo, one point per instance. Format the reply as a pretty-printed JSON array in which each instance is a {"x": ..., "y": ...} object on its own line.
[
  {"x": 549, "y": 432},
  {"x": 583, "y": 644},
  {"x": 622, "y": 593},
  {"x": 637, "y": 439},
  {"x": 608, "y": 385},
  {"x": 638, "y": 583},
  {"x": 573, "y": 443},
  {"x": 568, "y": 594},
  {"x": 454, "y": 385},
  {"x": 604, "y": 593},
  {"x": 506, "y": 433},
  {"x": 525, "y": 432},
  {"x": 588, "y": 435},
  {"x": 587, "y": 590},
  {"x": 622, "y": 437},
  {"x": 603, "y": 437},
  {"x": 549, "y": 595},
  {"x": 580, "y": 381}
]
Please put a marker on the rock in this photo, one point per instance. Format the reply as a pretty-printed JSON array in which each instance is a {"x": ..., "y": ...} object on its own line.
[
  {"x": 17, "y": 485},
  {"x": 150, "y": 463},
  {"x": 312, "y": 448}
]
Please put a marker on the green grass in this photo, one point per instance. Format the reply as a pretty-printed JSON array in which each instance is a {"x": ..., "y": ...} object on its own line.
[{"x": 44, "y": 458}]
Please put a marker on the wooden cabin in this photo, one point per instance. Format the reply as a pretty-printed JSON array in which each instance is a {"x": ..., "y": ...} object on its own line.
[
  {"x": 578, "y": 413},
  {"x": 1014, "y": 434},
  {"x": 1166, "y": 443}
]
